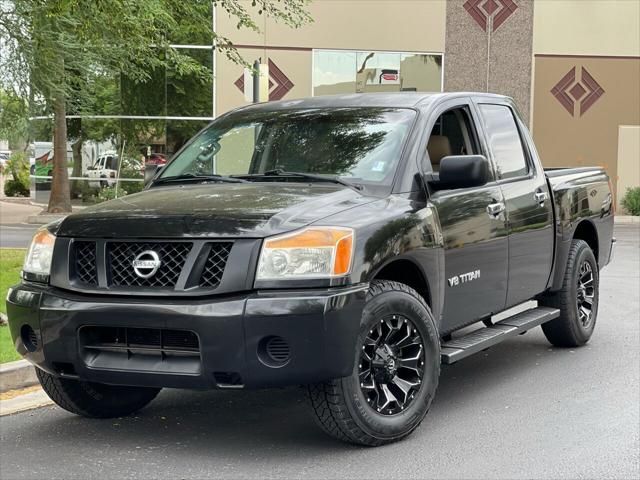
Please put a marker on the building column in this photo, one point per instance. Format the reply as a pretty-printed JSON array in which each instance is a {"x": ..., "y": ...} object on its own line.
[{"x": 489, "y": 45}]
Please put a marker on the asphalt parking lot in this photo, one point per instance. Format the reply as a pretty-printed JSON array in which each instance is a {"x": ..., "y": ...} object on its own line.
[{"x": 519, "y": 410}]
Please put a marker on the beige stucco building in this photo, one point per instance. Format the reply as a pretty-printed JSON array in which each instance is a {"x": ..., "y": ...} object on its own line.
[{"x": 573, "y": 66}]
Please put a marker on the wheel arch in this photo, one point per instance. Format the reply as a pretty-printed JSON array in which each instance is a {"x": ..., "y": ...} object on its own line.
[
  {"x": 586, "y": 230},
  {"x": 406, "y": 271}
]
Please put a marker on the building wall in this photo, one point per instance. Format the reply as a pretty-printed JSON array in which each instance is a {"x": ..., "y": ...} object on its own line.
[
  {"x": 384, "y": 25},
  {"x": 395, "y": 25},
  {"x": 628, "y": 158},
  {"x": 593, "y": 27},
  {"x": 586, "y": 85},
  {"x": 573, "y": 133}
]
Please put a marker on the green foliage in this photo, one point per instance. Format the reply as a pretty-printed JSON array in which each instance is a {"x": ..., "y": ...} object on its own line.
[
  {"x": 60, "y": 46},
  {"x": 66, "y": 53},
  {"x": 631, "y": 201},
  {"x": 107, "y": 193},
  {"x": 14, "y": 119},
  {"x": 18, "y": 167}
]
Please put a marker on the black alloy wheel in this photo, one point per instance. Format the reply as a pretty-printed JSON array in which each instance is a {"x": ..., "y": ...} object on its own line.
[
  {"x": 585, "y": 294},
  {"x": 395, "y": 373},
  {"x": 391, "y": 365},
  {"x": 577, "y": 299}
]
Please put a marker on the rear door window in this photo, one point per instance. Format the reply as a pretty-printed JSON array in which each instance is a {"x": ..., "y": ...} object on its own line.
[{"x": 504, "y": 141}]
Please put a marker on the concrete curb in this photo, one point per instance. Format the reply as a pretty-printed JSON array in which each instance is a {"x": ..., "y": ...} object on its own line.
[
  {"x": 16, "y": 375},
  {"x": 23, "y": 402},
  {"x": 627, "y": 220}
]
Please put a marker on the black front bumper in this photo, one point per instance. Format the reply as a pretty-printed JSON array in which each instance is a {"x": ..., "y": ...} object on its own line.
[{"x": 319, "y": 327}]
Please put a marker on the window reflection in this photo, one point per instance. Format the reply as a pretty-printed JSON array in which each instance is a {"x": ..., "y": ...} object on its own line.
[
  {"x": 190, "y": 94},
  {"x": 337, "y": 72}
]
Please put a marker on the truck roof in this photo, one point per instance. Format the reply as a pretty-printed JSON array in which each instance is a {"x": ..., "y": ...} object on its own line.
[{"x": 394, "y": 99}]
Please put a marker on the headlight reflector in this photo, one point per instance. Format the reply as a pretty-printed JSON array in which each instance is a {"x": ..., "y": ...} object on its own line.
[
  {"x": 38, "y": 259},
  {"x": 317, "y": 252}
]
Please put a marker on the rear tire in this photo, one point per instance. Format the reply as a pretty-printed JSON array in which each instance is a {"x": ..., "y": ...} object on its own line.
[
  {"x": 356, "y": 409},
  {"x": 577, "y": 300},
  {"x": 95, "y": 400}
]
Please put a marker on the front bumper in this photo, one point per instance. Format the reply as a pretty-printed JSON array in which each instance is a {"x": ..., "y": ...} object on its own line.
[{"x": 320, "y": 328}]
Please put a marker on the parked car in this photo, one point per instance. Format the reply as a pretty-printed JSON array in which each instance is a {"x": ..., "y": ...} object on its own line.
[
  {"x": 104, "y": 171},
  {"x": 341, "y": 242},
  {"x": 4, "y": 157}
]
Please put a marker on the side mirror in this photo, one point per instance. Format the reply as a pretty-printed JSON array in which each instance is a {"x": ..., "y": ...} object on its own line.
[
  {"x": 462, "y": 171},
  {"x": 150, "y": 171}
]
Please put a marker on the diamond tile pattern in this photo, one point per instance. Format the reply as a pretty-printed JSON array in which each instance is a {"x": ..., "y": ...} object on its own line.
[
  {"x": 85, "y": 263},
  {"x": 584, "y": 91},
  {"x": 120, "y": 256},
  {"x": 214, "y": 266},
  {"x": 498, "y": 11}
]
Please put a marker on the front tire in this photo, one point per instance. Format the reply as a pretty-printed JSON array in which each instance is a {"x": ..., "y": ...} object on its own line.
[
  {"x": 95, "y": 400},
  {"x": 577, "y": 300},
  {"x": 395, "y": 375}
]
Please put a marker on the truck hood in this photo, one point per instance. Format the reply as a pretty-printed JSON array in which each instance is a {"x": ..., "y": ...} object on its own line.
[{"x": 250, "y": 210}]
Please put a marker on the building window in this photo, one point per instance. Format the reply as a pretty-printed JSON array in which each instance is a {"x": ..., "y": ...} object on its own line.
[{"x": 344, "y": 71}]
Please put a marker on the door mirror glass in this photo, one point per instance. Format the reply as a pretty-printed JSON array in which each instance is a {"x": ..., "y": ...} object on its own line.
[{"x": 461, "y": 171}]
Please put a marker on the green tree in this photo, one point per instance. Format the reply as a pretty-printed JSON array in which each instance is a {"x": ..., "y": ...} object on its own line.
[
  {"x": 14, "y": 119},
  {"x": 53, "y": 49}
]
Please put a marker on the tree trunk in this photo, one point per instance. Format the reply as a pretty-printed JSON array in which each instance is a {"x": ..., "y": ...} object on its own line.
[
  {"x": 76, "y": 185},
  {"x": 60, "y": 199}
]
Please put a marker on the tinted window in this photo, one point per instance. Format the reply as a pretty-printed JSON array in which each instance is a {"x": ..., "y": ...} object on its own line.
[
  {"x": 363, "y": 144},
  {"x": 504, "y": 141}
]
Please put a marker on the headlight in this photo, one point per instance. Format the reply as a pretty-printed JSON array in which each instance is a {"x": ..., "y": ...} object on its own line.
[
  {"x": 315, "y": 252},
  {"x": 38, "y": 259}
]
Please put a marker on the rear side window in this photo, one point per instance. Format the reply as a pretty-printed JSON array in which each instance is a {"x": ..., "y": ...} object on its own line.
[{"x": 504, "y": 141}]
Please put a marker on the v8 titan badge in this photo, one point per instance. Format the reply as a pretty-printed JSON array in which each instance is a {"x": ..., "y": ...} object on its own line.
[{"x": 463, "y": 278}]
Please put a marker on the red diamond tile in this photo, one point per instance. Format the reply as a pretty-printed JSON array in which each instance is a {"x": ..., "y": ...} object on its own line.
[
  {"x": 279, "y": 83},
  {"x": 586, "y": 91},
  {"x": 490, "y": 6},
  {"x": 594, "y": 90},
  {"x": 473, "y": 8},
  {"x": 508, "y": 7},
  {"x": 559, "y": 90},
  {"x": 577, "y": 91}
]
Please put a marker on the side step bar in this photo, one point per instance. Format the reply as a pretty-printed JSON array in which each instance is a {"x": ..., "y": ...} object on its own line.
[{"x": 483, "y": 338}]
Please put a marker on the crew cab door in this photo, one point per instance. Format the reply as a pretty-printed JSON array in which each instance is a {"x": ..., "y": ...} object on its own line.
[
  {"x": 527, "y": 199},
  {"x": 473, "y": 223}
]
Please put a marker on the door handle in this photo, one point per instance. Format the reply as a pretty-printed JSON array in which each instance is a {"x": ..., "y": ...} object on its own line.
[
  {"x": 495, "y": 209},
  {"x": 540, "y": 197}
]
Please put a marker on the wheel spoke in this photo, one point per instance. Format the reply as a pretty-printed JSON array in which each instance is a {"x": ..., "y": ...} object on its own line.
[
  {"x": 404, "y": 385},
  {"x": 411, "y": 364},
  {"x": 389, "y": 397}
]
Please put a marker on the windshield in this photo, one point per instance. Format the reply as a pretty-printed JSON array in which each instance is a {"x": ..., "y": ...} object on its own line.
[{"x": 356, "y": 144}]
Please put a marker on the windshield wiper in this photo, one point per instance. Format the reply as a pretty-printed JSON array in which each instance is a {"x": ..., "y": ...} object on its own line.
[
  {"x": 192, "y": 177},
  {"x": 278, "y": 172}
]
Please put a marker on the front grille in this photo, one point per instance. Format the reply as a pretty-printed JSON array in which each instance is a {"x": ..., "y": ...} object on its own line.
[
  {"x": 85, "y": 263},
  {"x": 149, "y": 267},
  {"x": 214, "y": 266},
  {"x": 120, "y": 257}
]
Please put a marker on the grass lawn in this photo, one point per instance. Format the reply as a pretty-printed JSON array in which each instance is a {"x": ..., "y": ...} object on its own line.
[{"x": 10, "y": 265}]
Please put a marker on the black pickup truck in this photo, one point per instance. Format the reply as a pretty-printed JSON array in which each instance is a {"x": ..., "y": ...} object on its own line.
[{"x": 344, "y": 243}]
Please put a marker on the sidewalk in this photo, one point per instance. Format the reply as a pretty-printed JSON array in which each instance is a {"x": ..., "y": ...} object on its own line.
[{"x": 12, "y": 213}]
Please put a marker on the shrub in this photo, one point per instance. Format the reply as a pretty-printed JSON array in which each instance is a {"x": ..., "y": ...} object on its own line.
[
  {"x": 631, "y": 201},
  {"x": 18, "y": 167},
  {"x": 13, "y": 188}
]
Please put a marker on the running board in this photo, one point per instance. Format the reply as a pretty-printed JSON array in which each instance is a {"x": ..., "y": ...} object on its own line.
[{"x": 483, "y": 338}]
